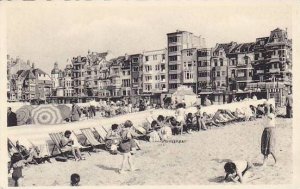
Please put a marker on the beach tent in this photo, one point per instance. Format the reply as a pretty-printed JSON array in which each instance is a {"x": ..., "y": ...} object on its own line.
[{"x": 184, "y": 94}]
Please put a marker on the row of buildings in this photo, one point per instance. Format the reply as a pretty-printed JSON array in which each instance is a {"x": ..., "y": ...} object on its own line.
[{"x": 262, "y": 67}]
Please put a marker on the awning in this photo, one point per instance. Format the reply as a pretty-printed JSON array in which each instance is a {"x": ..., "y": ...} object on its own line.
[{"x": 205, "y": 93}]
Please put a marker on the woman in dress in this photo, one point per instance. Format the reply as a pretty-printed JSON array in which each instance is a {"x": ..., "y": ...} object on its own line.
[{"x": 268, "y": 137}]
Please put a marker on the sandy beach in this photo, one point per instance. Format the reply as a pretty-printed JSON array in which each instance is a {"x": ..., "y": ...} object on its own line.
[{"x": 199, "y": 160}]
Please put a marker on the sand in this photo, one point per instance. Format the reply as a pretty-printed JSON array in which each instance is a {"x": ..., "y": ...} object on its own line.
[{"x": 199, "y": 160}]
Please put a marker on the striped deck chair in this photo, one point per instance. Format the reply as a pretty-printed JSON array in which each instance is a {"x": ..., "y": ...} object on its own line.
[
  {"x": 81, "y": 146},
  {"x": 101, "y": 132},
  {"x": 56, "y": 138},
  {"x": 90, "y": 138}
]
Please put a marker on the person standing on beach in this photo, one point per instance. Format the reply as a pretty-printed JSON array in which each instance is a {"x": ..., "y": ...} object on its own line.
[
  {"x": 126, "y": 146},
  {"x": 75, "y": 113},
  {"x": 289, "y": 106},
  {"x": 268, "y": 139},
  {"x": 11, "y": 118},
  {"x": 180, "y": 115},
  {"x": 200, "y": 123}
]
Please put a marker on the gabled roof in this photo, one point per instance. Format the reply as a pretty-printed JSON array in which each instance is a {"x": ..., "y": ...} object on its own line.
[
  {"x": 226, "y": 46},
  {"x": 243, "y": 48}
]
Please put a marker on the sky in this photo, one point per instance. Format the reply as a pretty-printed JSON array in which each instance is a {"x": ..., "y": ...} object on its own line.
[{"x": 53, "y": 32}]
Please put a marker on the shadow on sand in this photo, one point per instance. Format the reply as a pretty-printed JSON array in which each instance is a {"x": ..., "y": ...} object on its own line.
[
  {"x": 108, "y": 168},
  {"x": 217, "y": 179}
]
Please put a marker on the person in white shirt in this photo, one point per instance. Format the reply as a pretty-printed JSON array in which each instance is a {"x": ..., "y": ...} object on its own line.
[
  {"x": 268, "y": 139},
  {"x": 180, "y": 115},
  {"x": 235, "y": 170}
]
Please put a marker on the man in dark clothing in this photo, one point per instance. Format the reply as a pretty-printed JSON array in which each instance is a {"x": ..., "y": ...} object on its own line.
[
  {"x": 11, "y": 118},
  {"x": 289, "y": 106}
]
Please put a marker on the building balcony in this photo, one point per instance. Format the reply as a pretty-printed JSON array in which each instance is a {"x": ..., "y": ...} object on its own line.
[
  {"x": 174, "y": 53},
  {"x": 174, "y": 80},
  {"x": 174, "y": 62},
  {"x": 274, "y": 70},
  {"x": 171, "y": 44}
]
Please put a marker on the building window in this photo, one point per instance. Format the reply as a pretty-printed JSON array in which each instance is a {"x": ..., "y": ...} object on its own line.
[
  {"x": 199, "y": 64},
  {"x": 173, "y": 76},
  {"x": 173, "y": 86},
  {"x": 135, "y": 60},
  {"x": 154, "y": 57},
  {"x": 163, "y": 56},
  {"x": 136, "y": 69},
  {"x": 218, "y": 74},
  {"x": 250, "y": 74},
  {"x": 221, "y": 62},
  {"x": 216, "y": 62},
  {"x": 173, "y": 58},
  {"x": 189, "y": 53},
  {"x": 173, "y": 39},
  {"x": 173, "y": 67},
  {"x": 223, "y": 73},
  {"x": 173, "y": 49},
  {"x": 146, "y": 58}
]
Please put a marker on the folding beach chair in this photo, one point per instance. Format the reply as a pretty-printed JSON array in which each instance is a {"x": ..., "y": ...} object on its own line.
[
  {"x": 81, "y": 146},
  {"x": 101, "y": 132},
  {"x": 90, "y": 138},
  {"x": 56, "y": 138},
  {"x": 12, "y": 148}
]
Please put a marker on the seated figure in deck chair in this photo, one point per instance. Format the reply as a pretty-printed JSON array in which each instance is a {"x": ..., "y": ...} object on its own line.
[
  {"x": 240, "y": 114},
  {"x": 67, "y": 144},
  {"x": 208, "y": 120},
  {"x": 113, "y": 139}
]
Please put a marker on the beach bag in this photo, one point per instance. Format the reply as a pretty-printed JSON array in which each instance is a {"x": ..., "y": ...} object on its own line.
[
  {"x": 154, "y": 137},
  {"x": 61, "y": 158}
]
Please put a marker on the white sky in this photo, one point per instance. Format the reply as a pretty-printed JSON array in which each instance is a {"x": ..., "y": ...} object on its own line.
[{"x": 49, "y": 32}]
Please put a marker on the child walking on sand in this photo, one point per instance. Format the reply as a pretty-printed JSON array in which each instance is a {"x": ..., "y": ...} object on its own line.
[
  {"x": 17, "y": 163},
  {"x": 126, "y": 146}
]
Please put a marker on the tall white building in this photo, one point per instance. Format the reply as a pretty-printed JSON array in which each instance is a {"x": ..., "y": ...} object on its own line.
[{"x": 155, "y": 71}]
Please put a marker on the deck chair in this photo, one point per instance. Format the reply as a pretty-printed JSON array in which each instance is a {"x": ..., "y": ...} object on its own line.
[
  {"x": 81, "y": 146},
  {"x": 90, "y": 138},
  {"x": 101, "y": 132},
  {"x": 12, "y": 148},
  {"x": 56, "y": 138}
]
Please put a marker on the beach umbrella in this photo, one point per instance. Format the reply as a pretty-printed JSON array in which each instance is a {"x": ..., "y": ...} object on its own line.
[
  {"x": 24, "y": 114},
  {"x": 65, "y": 111},
  {"x": 46, "y": 115}
]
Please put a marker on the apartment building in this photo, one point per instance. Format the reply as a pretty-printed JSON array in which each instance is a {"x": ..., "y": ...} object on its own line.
[
  {"x": 189, "y": 68},
  {"x": 126, "y": 76},
  {"x": 273, "y": 66},
  {"x": 176, "y": 42},
  {"x": 155, "y": 73},
  {"x": 136, "y": 74},
  {"x": 240, "y": 69},
  {"x": 204, "y": 69},
  {"x": 219, "y": 65}
]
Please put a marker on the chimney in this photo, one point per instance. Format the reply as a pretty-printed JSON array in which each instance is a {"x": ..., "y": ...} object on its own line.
[
  {"x": 126, "y": 56},
  {"x": 32, "y": 65},
  {"x": 28, "y": 62}
]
